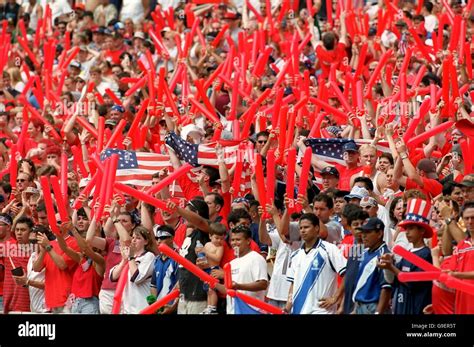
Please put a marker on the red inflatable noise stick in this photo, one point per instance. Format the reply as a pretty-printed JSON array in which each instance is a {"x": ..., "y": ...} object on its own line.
[
  {"x": 119, "y": 291},
  {"x": 160, "y": 303},
  {"x": 188, "y": 265},
  {"x": 255, "y": 302}
]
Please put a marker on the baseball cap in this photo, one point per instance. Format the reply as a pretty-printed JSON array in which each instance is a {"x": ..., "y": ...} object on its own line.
[
  {"x": 110, "y": 122},
  {"x": 162, "y": 231},
  {"x": 117, "y": 108},
  {"x": 468, "y": 181},
  {"x": 231, "y": 15},
  {"x": 357, "y": 193},
  {"x": 119, "y": 25},
  {"x": 6, "y": 218},
  {"x": 372, "y": 224},
  {"x": 192, "y": 130},
  {"x": 350, "y": 146},
  {"x": 139, "y": 35},
  {"x": 83, "y": 47},
  {"x": 330, "y": 170},
  {"x": 428, "y": 167},
  {"x": 75, "y": 64},
  {"x": 368, "y": 201}
]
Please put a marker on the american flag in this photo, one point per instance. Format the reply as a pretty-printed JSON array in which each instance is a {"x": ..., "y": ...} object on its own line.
[
  {"x": 330, "y": 150},
  {"x": 205, "y": 154},
  {"x": 137, "y": 167},
  {"x": 200, "y": 154}
]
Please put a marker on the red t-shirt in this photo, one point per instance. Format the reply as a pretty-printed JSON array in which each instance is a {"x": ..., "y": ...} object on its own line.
[
  {"x": 326, "y": 58},
  {"x": 57, "y": 283},
  {"x": 431, "y": 187},
  {"x": 345, "y": 175},
  {"x": 189, "y": 188},
  {"x": 15, "y": 297},
  {"x": 462, "y": 260},
  {"x": 113, "y": 257},
  {"x": 346, "y": 244},
  {"x": 113, "y": 56},
  {"x": 443, "y": 298},
  {"x": 86, "y": 281}
]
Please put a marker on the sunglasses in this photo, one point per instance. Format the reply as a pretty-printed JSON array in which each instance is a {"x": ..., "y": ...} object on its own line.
[
  {"x": 20, "y": 180},
  {"x": 262, "y": 142}
]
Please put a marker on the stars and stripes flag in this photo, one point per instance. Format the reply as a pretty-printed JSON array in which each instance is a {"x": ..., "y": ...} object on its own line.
[
  {"x": 137, "y": 167},
  {"x": 331, "y": 151},
  {"x": 205, "y": 154}
]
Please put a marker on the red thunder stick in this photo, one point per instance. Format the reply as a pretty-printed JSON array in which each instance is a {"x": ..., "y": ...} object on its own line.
[{"x": 304, "y": 174}]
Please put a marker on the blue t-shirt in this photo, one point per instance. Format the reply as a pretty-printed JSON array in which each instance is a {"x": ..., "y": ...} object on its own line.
[
  {"x": 412, "y": 297},
  {"x": 370, "y": 278},
  {"x": 165, "y": 276},
  {"x": 350, "y": 278}
]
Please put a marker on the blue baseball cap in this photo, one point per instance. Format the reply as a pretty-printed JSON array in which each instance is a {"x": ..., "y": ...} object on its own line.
[
  {"x": 372, "y": 224},
  {"x": 350, "y": 146},
  {"x": 117, "y": 108}
]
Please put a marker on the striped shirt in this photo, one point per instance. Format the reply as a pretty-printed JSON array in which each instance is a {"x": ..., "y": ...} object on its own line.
[{"x": 314, "y": 276}]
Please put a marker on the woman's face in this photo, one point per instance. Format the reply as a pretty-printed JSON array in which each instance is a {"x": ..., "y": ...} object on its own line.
[
  {"x": 398, "y": 211},
  {"x": 138, "y": 241}
]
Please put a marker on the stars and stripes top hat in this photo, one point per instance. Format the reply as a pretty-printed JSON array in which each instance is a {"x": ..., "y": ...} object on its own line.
[{"x": 417, "y": 214}]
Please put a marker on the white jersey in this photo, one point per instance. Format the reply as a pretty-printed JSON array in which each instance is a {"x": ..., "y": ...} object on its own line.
[
  {"x": 138, "y": 285},
  {"x": 279, "y": 285},
  {"x": 37, "y": 302},
  {"x": 384, "y": 216},
  {"x": 314, "y": 276},
  {"x": 250, "y": 268}
]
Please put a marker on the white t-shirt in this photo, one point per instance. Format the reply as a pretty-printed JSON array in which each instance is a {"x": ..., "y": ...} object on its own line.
[
  {"x": 314, "y": 276},
  {"x": 135, "y": 293},
  {"x": 279, "y": 285},
  {"x": 384, "y": 216},
  {"x": 37, "y": 302},
  {"x": 431, "y": 22},
  {"x": 250, "y": 268},
  {"x": 132, "y": 9}
]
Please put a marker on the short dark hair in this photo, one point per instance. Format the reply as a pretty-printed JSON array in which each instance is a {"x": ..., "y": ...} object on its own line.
[
  {"x": 388, "y": 156},
  {"x": 467, "y": 205},
  {"x": 26, "y": 220},
  {"x": 242, "y": 229},
  {"x": 324, "y": 198},
  {"x": 238, "y": 214},
  {"x": 357, "y": 215},
  {"x": 367, "y": 181},
  {"x": 212, "y": 172},
  {"x": 262, "y": 133},
  {"x": 218, "y": 199},
  {"x": 329, "y": 40},
  {"x": 200, "y": 207},
  {"x": 429, "y": 6},
  {"x": 311, "y": 217},
  {"x": 350, "y": 209}
]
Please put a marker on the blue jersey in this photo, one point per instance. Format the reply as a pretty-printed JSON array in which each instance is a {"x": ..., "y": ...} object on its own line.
[
  {"x": 370, "y": 278},
  {"x": 412, "y": 297},
  {"x": 165, "y": 276},
  {"x": 350, "y": 278}
]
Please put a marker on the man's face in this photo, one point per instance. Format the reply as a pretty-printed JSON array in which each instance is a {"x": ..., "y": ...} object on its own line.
[
  {"x": 351, "y": 157},
  {"x": 330, "y": 181},
  {"x": 339, "y": 204},
  {"x": 43, "y": 218},
  {"x": 468, "y": 217},
  {"x": 261, "y": 141},
  {"x": 116, "y": 115},
  {"x": 238, "y": 240},
  {"x": 368, "y": 157},
  {"x": 371, "y": 210},
  {"x": 22, "y": 232},
  {"x": 308, "y": 231},
  {"x": 4, "y": 230},
  {"x": 384, "y": 164},
  {"x": 457, "y": 195},
  {"x": 371, "y": 238},
  {"x": 22, "y": 181},
  {"x": 210, "y": 201},
  {"x": 468, "y": 193},
  {"x": 322, "y": 211}
]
